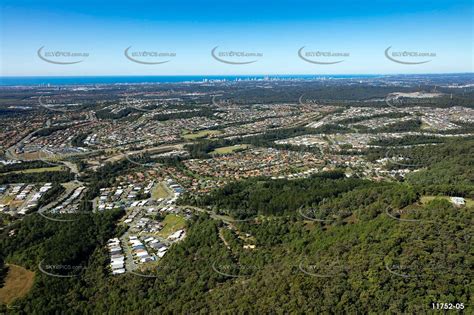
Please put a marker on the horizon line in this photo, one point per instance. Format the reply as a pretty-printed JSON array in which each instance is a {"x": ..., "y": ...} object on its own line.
[{"x": 223, "y": 75}]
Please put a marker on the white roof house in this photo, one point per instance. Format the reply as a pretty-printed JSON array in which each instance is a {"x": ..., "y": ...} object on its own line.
[
  {"x": 176, "y": 234},
  {"x": 136, "y": 243},
  {"x": 161, "y": 254},
  {"x": 142, "y": 254},
  {"x": 459, "y": 201},
  {"x": 116, "y": 265},
  {"x": 118, "y": 271},
  {"x": 117, "y": 260}
]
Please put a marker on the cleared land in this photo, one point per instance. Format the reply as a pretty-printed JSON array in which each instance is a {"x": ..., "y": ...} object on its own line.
[
  {"x": 10, "y": 201},
  {"x": 230, "y": 149},
  {"x": 426, "y": 199},
  {"x": 7, "y": 199},
  {"x": 172, "y": 223},
  {"x": 18, "y": 283},
  {"x": 200, "y": 134},
  {"x": 425, "y": 126},
  {"x": 160, "y": 191},
  {"x": 39, "y": 170}
]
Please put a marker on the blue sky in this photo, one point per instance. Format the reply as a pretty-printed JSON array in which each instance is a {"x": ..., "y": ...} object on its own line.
[{"x": 362, "y": 30}]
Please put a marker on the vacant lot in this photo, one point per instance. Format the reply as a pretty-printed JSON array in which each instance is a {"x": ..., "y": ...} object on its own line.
[
  {"x": 160, "y": 191},
  {"x": 18, "y": 283},
  {"x": 172, "y": 223},
  {"x": 227, "y": 150}
]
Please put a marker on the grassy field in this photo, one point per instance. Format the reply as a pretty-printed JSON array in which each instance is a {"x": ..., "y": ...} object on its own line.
[
  {"x": 337, "y": 138},
  {"x": 31, "y": 156},
  {"x": 426, "y": 199},
  {"x": 227, "y": 150},
  {"x": 39, "y": 170},
  {"x": 18, "y": 283},
  {"x": 200, "y": 134},
  {"x": 6, "y": 199},
  {"x": 160, "y": 191},
  {"x": 425, "y": 126},
  {"x": 10, "y": 201},
  {"x": 172, "y": 223}
]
